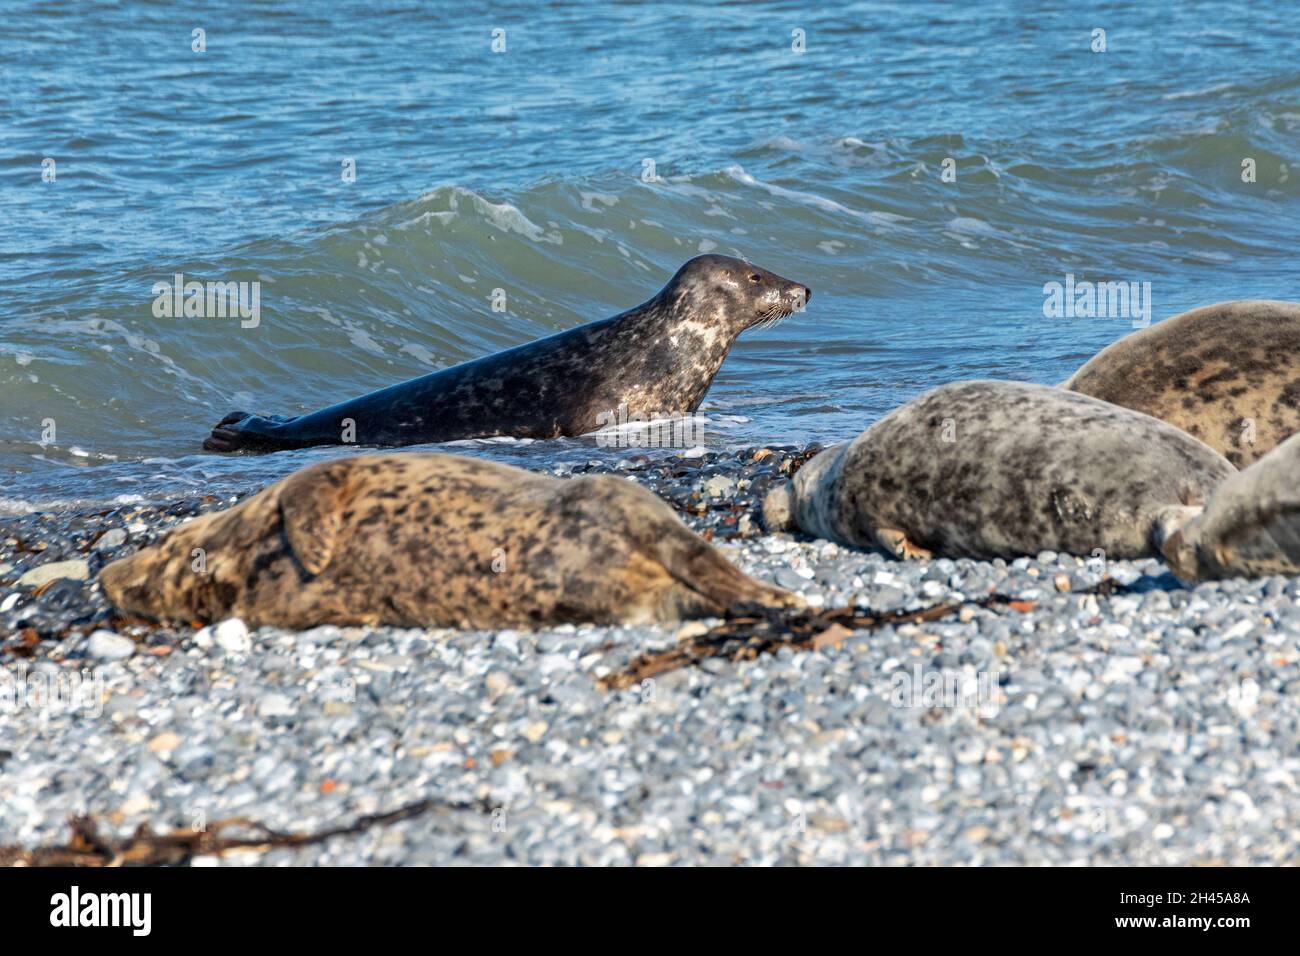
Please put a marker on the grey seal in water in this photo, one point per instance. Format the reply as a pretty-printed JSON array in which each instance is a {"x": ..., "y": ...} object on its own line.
[{"x": 656, "y": 359}]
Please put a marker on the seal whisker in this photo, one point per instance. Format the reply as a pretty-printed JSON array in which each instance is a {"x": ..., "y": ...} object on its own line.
[{"x": 771, "y": 317}]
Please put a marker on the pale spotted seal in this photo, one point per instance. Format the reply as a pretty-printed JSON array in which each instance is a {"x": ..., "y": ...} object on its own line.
[
  {"x": 1251, "y": 526},
  {"x": 427, "y": 540},
  {"x": 658, "y": 358},
  {"x": 1228, "y": 374},
  {"x": 1000, "y": 469}
]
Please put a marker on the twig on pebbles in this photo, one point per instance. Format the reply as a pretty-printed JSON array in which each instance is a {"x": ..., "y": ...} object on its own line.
[
  {"x": 87, "y": 847},
  {"x": 747, "y": 633}
]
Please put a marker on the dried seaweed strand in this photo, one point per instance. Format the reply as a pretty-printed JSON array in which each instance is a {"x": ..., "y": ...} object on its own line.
[
  {"x": 87, "y": 847},
  {"x": 749, "y": 632}
]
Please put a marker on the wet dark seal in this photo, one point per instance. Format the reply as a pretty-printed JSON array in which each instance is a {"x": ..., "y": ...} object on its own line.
[
  {"x": 656, "y": 359},
  {"x": 1002, "y": 469},
  {"x": 1251, "y": 526},
  {"x": 426, "y": 540},
  {"x": 1228, "y": 374}
]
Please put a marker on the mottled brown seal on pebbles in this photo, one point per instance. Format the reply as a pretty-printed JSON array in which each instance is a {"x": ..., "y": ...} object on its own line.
[
  {"x": 999, "y": 469},
  {"x": 1228, "y": 374},
  {"x": 1251, "y": 526},
  {"x": 656, "y": 360},
  {"x": 426, "y": 540}
]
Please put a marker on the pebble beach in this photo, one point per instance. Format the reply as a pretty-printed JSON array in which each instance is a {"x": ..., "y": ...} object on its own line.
[{"x": 1142, "y": 723}]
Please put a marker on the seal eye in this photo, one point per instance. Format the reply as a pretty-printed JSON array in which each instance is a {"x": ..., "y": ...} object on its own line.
[{"x": 755, "y": 277}]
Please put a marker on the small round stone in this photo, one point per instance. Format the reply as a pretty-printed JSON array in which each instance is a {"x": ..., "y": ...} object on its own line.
[{"x": 108, "y": 646}]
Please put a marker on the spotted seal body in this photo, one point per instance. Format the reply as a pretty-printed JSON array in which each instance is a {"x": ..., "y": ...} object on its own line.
[
  {"x": 657, "y": 359},
  {"x": 1228, "y": 374},
  {"x": 423, "y": 540},
  {"x": 1251, "y": 526},
  {"x": 999, "y": 469}
]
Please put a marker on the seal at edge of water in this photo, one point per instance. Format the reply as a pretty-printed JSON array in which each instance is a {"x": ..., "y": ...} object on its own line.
[{"x": 655, "y": 360}]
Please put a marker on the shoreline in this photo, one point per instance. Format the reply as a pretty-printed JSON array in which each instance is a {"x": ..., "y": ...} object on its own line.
[{"x": 1084, "y": 742}]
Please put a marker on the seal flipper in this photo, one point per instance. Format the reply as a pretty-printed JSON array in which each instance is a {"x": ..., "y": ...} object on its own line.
[
  {"x": 243, "y": 431},
  {"x": 897, "y": 544},
  {"x": 707, "y": 584},
  {"x": 312, "y": 509}
]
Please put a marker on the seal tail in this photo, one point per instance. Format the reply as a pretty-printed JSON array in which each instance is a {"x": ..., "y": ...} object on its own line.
[
  {"x": 226, "y": 436},
  {"x": 242, "y": 431},
  {"x": 707, "y": 584}
]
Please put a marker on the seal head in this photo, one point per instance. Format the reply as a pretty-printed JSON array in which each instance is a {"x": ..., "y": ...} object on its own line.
[
  {"x": 793, "y": 505},
  {"x": 733, "y": 294},
  {"x": 1251, "y": 526}
]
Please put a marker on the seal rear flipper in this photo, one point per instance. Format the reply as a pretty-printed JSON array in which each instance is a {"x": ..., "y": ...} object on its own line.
[
  {"x": 243, "y": 431},
  {"x": 313, "y": 507},
  {"x": 708, "y": 584}
]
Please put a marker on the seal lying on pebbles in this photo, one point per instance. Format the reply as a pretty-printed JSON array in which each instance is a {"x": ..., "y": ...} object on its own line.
[
  {"x": 1000, "y": 469},
  {"x": 656, "y": 360},
  {"x": 1228, "y": 374},
  {"x": 425, "y": 540},
  {"x": 1250, "y": 528}
]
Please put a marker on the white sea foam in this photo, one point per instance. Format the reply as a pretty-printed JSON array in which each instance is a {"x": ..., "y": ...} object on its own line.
[
  {"x": 502, "y": 216},
  {"x": 874, "y": 216}
]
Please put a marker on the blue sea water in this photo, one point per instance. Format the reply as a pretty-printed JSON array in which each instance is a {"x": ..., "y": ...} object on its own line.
[{"x": 576, "y": 167}]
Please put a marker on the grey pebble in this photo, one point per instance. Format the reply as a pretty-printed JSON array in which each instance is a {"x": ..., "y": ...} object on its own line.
[
  {"x": 107, "y": 646},
  {"x": 111, "y": 539}
]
